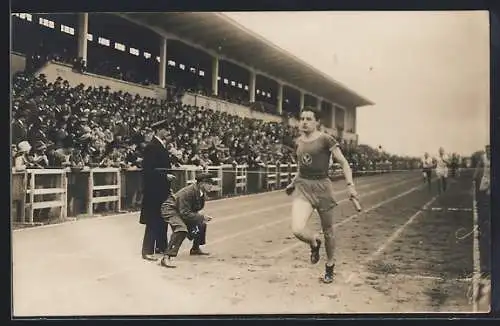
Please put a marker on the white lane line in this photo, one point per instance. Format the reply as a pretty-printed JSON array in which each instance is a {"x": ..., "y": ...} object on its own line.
[
  {"x": 404, "y": 276},
  {"x": 270, "y": 224},
  {"x": 393, "y": 236},
  {"x": 476, "y": 274},
  {"x": 220, "y": 240},
  {"x": 289, "y": 203},
  {"x": 449, "y": 209},
  {"x": 299, "y": 243}
]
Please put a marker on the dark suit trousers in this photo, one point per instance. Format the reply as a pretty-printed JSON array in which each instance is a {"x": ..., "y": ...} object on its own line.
[
  {"x": 181, "y": 229},
  {"x": 154, "y": 234}
]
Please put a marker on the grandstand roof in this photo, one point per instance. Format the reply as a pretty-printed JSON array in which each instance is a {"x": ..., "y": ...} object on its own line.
[{"x": 221, "y": 35}]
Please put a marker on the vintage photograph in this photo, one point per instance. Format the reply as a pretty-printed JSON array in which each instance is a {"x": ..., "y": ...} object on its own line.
[{"x": 222, "y": 163}]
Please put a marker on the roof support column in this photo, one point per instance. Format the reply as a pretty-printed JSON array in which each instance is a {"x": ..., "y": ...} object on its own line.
[
  {"x": 302, "y": 100},
  {"x": 215, "y": 74},
  {"x": 162, "y": 78},
  {"x": 251, "y": 86},
  {"x": 354, "y": 120},
  {"x": 82, "y": 30},
  {"x": 318, "y": 104},
  {"x": 332, "y": 107},
  {"x": 279, "y": 104}
]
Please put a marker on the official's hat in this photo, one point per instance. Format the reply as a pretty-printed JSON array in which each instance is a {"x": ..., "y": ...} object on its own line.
[
  {"x": 163, "y": 124},
  {"x": 205, "y": 177}
]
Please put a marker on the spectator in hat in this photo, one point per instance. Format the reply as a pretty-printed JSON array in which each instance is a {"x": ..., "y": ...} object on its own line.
[
  {"x": 21, "y": 160},
  {"x": 181, "y": 212},
  {"x": 156, "y": 189},
  {"x": 39, "y": 157}
]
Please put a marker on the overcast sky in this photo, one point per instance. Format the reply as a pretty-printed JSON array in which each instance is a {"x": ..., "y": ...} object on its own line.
[{"x": 429, "y": 72}]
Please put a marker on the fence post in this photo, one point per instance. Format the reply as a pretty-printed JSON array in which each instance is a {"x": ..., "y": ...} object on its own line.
[
  {"x": 59, "y": 188},
  {"x": 32, "y": 197},
  {"x": 218, "y": 179},
  {"x": 64, "y": 185},
  {"x": 293, "y": 171},
  {"x": 119, "y": 190},
  {"x": 90, "y": 204},
  {"x": 115, "y": 186},
  {"x": 23, "y": 201},
  {"x": 240, "y": 181},
  {"x": 271, "y": 178}
]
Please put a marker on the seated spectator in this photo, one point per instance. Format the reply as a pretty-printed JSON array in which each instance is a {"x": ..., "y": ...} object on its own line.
[
  {"x": 110, "y": 128},
  {"x": 21, "y": 159},
  {"x": 39, "y": 155}
]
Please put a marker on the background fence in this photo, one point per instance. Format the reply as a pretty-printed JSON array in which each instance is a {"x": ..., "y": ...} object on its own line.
[{"x": 44, "y": 195}]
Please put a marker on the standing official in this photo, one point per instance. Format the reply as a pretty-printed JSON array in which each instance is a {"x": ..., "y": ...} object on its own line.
[
  {"x": 182, "y": 213},
  {"x": 156, "y": 189}
]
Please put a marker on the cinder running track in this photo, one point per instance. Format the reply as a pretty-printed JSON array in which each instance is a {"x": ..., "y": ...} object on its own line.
[{"x": 406, "y": 252}]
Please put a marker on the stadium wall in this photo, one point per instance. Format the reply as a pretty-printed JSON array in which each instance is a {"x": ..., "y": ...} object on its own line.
[
  {"x": 230, "y": 108},
  {"x": 245, "y": 112},
  {"x": 52, "y": 70}
]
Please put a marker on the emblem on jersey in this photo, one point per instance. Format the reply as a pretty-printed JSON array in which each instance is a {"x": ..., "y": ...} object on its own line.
[{"x": 306, "y": 159}]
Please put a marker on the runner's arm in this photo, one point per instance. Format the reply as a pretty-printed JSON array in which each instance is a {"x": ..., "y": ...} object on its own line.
[
  {"x": 346, "y": 168},
  {"x": 294, "y": 149}
]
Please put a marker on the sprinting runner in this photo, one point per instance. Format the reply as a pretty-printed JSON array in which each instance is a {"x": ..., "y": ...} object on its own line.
[
  {"x": 442, "y": 163},
  {"x": 427, "y": 165},
  {"x": 312, "y": 189}
]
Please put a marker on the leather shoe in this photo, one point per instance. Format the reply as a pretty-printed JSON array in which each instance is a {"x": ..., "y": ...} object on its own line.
[
  {"x": 150, "y": 257},
  {"x": 167, "y": 262},
  {"x": 198, "y": 252}
]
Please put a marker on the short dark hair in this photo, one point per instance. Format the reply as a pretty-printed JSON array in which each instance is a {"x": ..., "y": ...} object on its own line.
[{"x": 315, "y": 111}]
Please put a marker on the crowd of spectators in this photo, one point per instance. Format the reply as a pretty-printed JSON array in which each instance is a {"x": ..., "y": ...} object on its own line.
[
  {"x": 259, "y": 106},
  {"x": 55, "y": 125},
  {"x": 110, "y": 69}
]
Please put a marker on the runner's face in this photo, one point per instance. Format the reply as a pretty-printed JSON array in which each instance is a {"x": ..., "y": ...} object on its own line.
[{"x": 308, "y": 122}]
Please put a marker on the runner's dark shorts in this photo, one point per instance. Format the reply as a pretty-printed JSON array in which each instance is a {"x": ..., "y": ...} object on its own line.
[
  {"x": 317, "y": 192},
  {"x": 428, "y": 173}
]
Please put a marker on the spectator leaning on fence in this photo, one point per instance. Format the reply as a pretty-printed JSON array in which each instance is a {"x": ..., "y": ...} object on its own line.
[{"x": 21, "y": 159}]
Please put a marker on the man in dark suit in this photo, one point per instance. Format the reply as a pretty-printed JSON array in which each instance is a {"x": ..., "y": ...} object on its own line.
[
  {"x": 181, "y": 211},
  {"x": 19, "y": 127},
  {"x": 156, "y": 189}
]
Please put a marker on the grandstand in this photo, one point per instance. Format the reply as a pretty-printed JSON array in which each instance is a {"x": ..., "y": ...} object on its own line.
[
  {"x": 87, "y": 87},
  {"x": 206, "y": 53}
]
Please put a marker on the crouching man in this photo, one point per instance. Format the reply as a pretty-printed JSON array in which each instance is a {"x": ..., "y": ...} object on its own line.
[{"x": 181, "y": 212}]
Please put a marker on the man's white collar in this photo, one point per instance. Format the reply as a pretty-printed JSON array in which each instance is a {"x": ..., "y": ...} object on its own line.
[{"x": 161, "y": 141}]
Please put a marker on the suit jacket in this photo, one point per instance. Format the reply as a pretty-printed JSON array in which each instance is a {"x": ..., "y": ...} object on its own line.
[
  {"x": 156, "y": 187},
  {"x": 19, "y": 132},
  {"x": 189, "y": 201}
]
